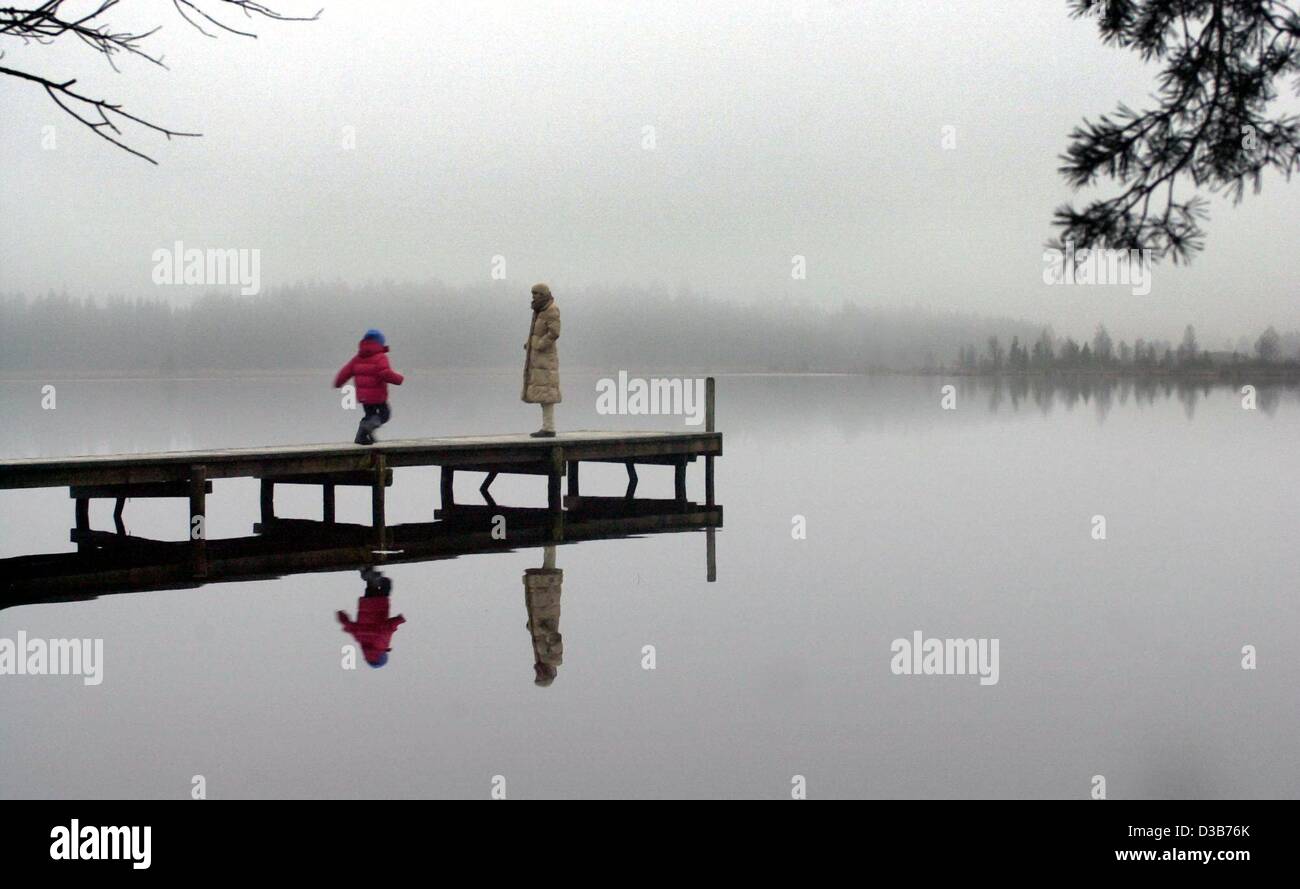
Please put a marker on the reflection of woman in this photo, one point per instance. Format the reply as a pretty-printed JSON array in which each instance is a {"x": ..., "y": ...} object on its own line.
[
  {"x": 373, "y": 629},
  {"x": 542, "y": 360},
  {"x": 542, "y": 587}
]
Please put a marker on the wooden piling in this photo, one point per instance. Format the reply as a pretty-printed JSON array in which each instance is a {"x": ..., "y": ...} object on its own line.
[
  {"x": 711, "y": 555},
  {"x": 377, "y": 518},
  {"x": 679, "y": 481},
  {"x": 327, "y": 501},
  {"x": 268, "y": 501},
  {"x": 573, "y": 478},
  {"x": 82, "y": 534},
  {"x": 447, "y": 483},
  {"x": 198, "y": 509},
  {"x": 710, "y": 397},
  {"x": 554, "y": 502}
]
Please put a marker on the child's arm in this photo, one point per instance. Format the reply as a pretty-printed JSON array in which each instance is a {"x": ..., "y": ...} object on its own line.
[
  {"x": 344, "y": 374},
  {"x": 390, "y": 375}
]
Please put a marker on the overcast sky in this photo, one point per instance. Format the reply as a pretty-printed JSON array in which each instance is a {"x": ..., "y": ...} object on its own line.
[{"x": 519, "y": 129}]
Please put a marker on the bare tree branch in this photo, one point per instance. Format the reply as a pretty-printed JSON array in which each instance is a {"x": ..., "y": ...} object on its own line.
[{"x": 45, "y": 24}]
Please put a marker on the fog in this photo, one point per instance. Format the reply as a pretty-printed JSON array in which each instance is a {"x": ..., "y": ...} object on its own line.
[{"x": 609, "y": 146}]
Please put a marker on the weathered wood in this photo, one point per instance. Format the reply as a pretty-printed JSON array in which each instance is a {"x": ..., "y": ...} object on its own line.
[
  {"x": 554, "y": 500},
  {"x": 708, "y": 481},
  {"x": 172, "y": 474},
  {"x": 267, "y": 499},
  {"x": 679, "y": 480},
  {"x": 543, "y": 468},
  {"x": 587, "y": 504},
  {"x": 377, "y": 517},
  {"x": 487, "y": 483},
  {"x": 652, "y": 460},
  {"x": 198, "y": 510},
  {"x": 553, "y": 494},
  {"x": 710, "y": 398},
  {"x": 362, "y": 479},
  {"x": 710, "y": 555},
  {"x": 484, "y": 513},
  {"x": 448, "y": 484},
  {"x": 292, "y": 546},
  {"x": 147, "y": 489},
  {"x": 82, "y": 522},
  {"x": 483, "y": 450}
]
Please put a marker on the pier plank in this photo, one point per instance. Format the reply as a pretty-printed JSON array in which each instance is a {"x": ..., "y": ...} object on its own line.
[{"x": 498, "y": 451}]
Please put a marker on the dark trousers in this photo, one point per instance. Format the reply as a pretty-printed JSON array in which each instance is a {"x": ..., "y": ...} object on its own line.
[
  {"x": 376, "y": 416},
  {"x": 376, "y": 583}
]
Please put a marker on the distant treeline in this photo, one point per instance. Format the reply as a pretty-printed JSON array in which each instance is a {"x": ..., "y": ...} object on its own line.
[
  {"x": 317, "y": 325},
  {"x": 1270, "y": 352}
]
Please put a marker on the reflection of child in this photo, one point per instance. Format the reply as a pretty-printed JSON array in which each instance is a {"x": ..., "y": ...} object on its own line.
[{"x": 373, "y": 629}]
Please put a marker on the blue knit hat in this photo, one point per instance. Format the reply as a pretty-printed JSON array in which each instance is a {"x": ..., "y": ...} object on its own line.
[
  {"x": 373, "y": 334},
  {"x": 380, "y": 661}
]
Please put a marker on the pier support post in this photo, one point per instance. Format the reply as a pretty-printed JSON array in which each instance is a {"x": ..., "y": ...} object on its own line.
[
  {"x": 573, "y": 478},
  {"x": 711, "y": 554},
  {"x": 198, "y": 531},
  {"x": 83, "y": 524},
  {"x": 327, "y": 502},
  {"x": 448, "y": 487},
  {"x": 377, "y": 518},
  {"x": 709, "y": 398},
  {"x": 679, "y": 480},
  {"x": 554, "y": 502},
  {"x": 268, "y": 501}
]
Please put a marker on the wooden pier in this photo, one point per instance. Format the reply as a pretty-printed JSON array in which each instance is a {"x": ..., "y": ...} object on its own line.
[{"x": 190, "y": 474}]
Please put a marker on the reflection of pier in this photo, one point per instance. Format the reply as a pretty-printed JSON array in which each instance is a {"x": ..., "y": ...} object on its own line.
[
  {"x": 110, "y": 562},
  {"x": 190, "y": 474}
]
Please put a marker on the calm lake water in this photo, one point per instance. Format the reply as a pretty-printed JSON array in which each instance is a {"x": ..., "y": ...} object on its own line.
[{"x": 1119, "y": 657}]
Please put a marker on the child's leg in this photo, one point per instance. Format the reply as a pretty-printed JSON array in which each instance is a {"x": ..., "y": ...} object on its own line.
[
  {"x": 385, "y": 414},
  {"x": 367, "y": 425}
]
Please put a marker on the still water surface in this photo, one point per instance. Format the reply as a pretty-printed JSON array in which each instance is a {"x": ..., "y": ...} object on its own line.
[{"x": 1118, "y": 657}]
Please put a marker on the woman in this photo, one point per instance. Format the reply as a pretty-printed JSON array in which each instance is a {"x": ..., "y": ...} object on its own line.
[
  {"x": 542, "y": 361},
  {"x": 542, "y": 589}
]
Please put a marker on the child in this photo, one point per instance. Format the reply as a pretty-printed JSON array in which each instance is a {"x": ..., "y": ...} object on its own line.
[
  {"x": 370, "y": 367},
  {"x": 373, "y": 629}
]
